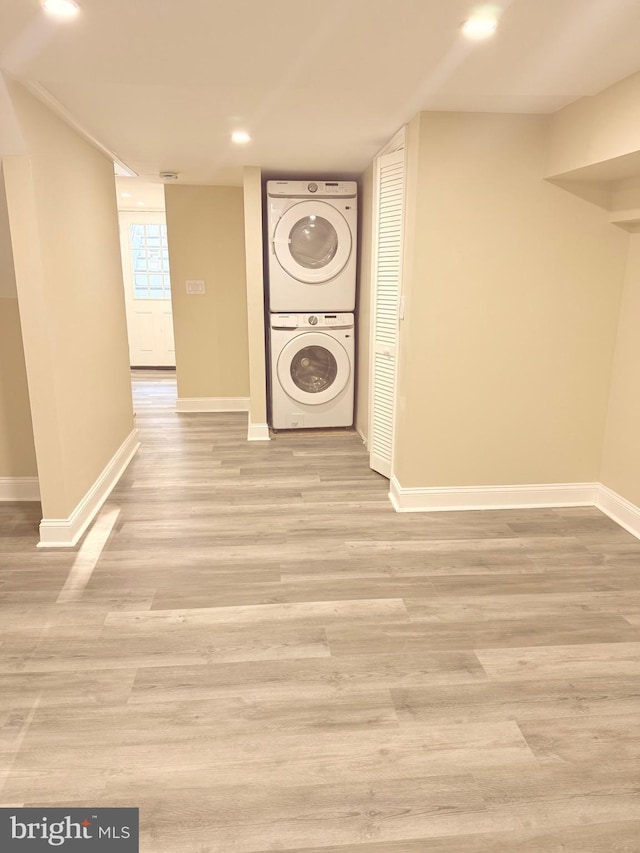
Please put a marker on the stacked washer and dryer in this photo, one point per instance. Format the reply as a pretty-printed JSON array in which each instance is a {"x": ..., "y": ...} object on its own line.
[{"x": 312, "y": 292}]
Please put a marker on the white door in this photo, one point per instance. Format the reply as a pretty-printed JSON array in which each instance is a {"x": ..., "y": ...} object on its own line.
[
  {"x": 145, "y": 265},
  {"x": 387, "y": 276}
]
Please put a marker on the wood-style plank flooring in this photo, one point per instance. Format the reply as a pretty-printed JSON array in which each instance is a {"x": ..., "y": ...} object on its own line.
[{"x": 255, "y": 649}]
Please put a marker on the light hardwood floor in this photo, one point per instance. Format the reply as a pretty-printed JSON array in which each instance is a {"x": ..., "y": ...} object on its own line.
[{"x": 265, "y": 657}]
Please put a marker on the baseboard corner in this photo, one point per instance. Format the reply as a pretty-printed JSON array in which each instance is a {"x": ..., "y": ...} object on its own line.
[
  {"x": 394, "y": 493},
  {"x": 364, "y": 438},
  {"x": 67, "y": 532},
  {"x": 258, "y": 432},
  {"x": 619, "y": 509}
]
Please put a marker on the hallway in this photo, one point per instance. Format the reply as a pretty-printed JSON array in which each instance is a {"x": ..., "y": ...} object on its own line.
[{"x": 253, "y": 648}]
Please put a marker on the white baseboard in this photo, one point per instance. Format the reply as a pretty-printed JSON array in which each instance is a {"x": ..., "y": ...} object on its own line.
[
  {"x": 19, "y": 489},
  {"x": 491, "y": 497},
  {"x": 212, "y": 404},
  {"x": 65, "y": 532},
  {"x": 258, "y": 432},
  {"x": 619, "y": 509},
  {"x": 365, "y": 441}
]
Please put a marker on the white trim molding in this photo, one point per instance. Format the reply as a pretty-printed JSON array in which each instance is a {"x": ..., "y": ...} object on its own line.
[
  {"x": 66, "y": 532},
  {"x": 397, "y": 142},
  {"x": 212, "y": 404},
  {"x": 258, "y": 432},
  {"x": 50, "y": 101},
  {"x": 619, "y": 509},
  {"x": 491, "y": 497},
  {"x": 19, "y": 489}
]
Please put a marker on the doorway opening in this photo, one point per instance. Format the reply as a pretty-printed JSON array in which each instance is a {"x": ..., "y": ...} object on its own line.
[{"x": 146, "y": 275}]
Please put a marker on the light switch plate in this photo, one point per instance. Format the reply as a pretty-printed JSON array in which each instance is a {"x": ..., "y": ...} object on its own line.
[{"x": 195, "y": 286}]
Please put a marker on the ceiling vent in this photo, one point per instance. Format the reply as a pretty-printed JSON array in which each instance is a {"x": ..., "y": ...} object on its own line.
[{"x": 169, "y": 176}]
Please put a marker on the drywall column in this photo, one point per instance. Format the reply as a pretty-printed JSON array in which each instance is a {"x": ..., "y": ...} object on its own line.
[
  {"x": 621, "y": 457},
  {"x": 18, "y": 470},
  {"x": 39, "y": 359},
  {"x": 63, "y": 222},
  {"x": 205, "y": 231},
  {"x": 252, "y": 184}
]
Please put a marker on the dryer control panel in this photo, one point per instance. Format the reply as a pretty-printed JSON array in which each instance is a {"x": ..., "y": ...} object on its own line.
[
  {"x": 312, "y": 189},
  {"x": 312, "y": 321}
]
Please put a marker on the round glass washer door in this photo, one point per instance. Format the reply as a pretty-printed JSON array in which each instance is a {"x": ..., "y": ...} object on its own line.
[
  {"x": 312, "y": 242},
  {"x": 313, "y": 368}
]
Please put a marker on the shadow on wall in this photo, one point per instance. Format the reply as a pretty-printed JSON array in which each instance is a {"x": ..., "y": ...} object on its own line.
[{"x": 17, "y": 453}]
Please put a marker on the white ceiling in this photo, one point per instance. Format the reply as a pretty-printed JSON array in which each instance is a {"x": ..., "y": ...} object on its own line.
[{"x": 320, "y": 86}]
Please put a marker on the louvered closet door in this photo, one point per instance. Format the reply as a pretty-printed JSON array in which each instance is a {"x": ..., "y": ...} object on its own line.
[{"x": 386, "y": 300}]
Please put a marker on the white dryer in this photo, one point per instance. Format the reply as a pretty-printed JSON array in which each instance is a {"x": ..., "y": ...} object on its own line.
[
  {"x": 312, "y": 375},
  {"x": 312, "y": 245}
]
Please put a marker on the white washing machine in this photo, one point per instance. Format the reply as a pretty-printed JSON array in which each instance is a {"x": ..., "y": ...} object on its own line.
[
  {"x": 312, "y": 370},
  {"x": 312, "y": 245}
]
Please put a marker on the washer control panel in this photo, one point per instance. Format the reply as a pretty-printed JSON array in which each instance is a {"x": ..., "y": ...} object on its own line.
[
  {"x": 284, "y": 321},
  {"x": 332, "y": 321},
  {"x": 338, "y": 319}
]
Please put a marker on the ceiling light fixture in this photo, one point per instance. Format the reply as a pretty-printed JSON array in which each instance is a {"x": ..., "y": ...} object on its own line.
[
  {"x": 240, "y": 137},
  {"x": 479, "y": 28},
  {"x": 61, "y": 8}
]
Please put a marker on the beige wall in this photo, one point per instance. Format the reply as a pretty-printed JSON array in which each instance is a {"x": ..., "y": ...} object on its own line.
[
  {"x": 205, "y": 230},
  {"x": 7, "y": 272},
  {"x": 596, "y": 128},
  {"x": 17, "y": 453},
  {"x": 513, "y": 289},
  {"x": 621, "y": 456},
  {"x": 363, "y": 364},
  {"x": 252, "y": 193},
  {"x": 625, "y": 195},
  {"x": 64, "y": 232},
  {"x": 12, "y": 141}
]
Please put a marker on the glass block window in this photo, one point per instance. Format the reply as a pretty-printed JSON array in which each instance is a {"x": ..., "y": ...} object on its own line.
[{"x": 150, "y": 261}]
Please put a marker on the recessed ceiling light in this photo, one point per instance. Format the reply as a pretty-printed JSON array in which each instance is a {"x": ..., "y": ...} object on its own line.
[
  {"x": 62, "y": 8},
  {"x": 479, "y": 28},
  {"x": 240, "y": 137},
  {"x": 125, "y": 195}
]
